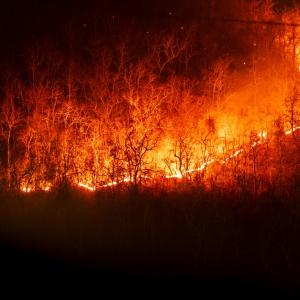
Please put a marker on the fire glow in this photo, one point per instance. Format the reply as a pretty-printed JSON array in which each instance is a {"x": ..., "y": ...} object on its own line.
[
  {"x": 178, "y": 175},
  {"x": 156, "y": 110}
]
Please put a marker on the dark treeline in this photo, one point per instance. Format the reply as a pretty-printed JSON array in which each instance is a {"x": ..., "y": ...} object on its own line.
[{"x": 194, "y": 242}]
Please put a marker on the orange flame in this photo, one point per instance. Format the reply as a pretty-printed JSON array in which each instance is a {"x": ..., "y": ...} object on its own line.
[
  {"x": 87, "y": 186},
  {"x": 25, "y": 187}
]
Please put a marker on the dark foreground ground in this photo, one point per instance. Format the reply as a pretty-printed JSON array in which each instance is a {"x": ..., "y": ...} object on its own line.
[{"x": 208, "y": 243}]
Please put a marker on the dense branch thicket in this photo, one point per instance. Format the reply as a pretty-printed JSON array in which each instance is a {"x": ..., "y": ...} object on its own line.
[{"x": 154, "y": 102}]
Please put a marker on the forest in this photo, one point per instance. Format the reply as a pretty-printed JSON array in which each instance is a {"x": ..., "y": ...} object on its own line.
[
  {"x": 118, "y": 131},
  {"x": 212, "y": 103}
]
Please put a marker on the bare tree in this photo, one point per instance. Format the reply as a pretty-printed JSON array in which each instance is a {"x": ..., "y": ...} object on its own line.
[{"x": 10, "y": 119}]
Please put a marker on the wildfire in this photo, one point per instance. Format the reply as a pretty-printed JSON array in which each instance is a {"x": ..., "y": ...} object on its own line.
[
  {"x": 89, "y": 186},
  {"x": 92, "y": 188},
  {"x": 110, "y": 184},
  {"x": 46, "y": 188},
  {"x": 235, "y": 154},
  {"x": 142, "y": 114},
  {"x": 202, "y": 167},
  {"x": 126, "y": 179},
  {"x": 176, "y": 175},
  {"x": 26, "y": 187},
  {"x": 263, "y": 134},
  {"x": 288, "y": 132}
]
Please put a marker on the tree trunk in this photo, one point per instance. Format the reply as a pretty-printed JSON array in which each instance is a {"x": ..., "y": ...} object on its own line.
[{"x": 8, "y": 159}]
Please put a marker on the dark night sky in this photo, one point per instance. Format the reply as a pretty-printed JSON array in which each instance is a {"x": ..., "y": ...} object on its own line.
[
  {"x": 23, "y": 21},
  {"x": 19, "y": 16}
]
